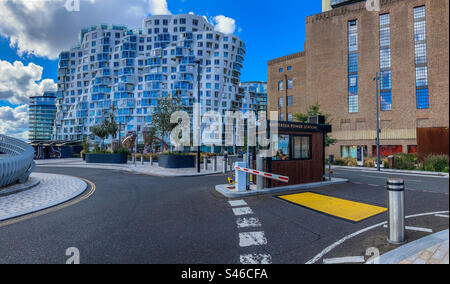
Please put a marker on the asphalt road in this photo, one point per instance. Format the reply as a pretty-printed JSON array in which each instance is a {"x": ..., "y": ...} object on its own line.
[{"x": 143, "y": 219}]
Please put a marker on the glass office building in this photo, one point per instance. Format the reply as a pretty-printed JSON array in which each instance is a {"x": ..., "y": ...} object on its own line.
[{"x": 42, "y": 113}]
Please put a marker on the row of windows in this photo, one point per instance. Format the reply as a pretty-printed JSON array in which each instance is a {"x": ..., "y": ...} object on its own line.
[
  {"x": 281, "y": 70},
  {"x": 353, "y": 104},
  {"x": 422, "y": 94},
  {"x": 385, "y": 63}
]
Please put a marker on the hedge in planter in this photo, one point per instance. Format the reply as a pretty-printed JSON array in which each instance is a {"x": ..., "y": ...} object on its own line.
[{"x": 174, "y": 161}]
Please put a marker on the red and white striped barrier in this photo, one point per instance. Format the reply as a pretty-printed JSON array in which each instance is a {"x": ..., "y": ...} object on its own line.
[{"x": 263, "y": 174}]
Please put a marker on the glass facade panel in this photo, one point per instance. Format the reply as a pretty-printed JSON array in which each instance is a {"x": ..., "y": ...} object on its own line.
[
  {"x": 353, "y": 106},
  {"x": 385, "y": 63},
  {"x": 421, "y": 62}
]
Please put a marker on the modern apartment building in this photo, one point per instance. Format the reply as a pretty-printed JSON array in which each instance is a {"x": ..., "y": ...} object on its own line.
[
  {"x": 406, "y": 43},
  {"x": 255, "y": 95},
  {"x": 41, "y": 116},
  {"x": 131, "y": 70}
]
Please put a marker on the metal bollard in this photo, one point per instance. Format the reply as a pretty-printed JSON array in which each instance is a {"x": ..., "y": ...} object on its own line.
[
  {"x": 205, "y": 163},
  {"x": 259, "y": 167},
  {"x": 224, "y": 165},
  {"x": 396, "y": 211},
  {"x": 214, "y": 161},
  {"x": 151, "y": 160},
  {"x": 142, "y": 159}
]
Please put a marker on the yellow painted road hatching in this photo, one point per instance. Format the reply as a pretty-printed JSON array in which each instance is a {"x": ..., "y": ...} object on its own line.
[{"x": 345, "y": 209}]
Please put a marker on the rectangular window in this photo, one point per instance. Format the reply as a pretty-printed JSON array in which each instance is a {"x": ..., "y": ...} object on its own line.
[
  {"x": 283, "y": 153},
  {"x": 289, "y": 101},
  {"x": 421, "y": 61},
  {"x": 280, "y": 85},
  {"x": 290, "y": 83},
  {"x": 353, "y": 102},
  {"x": 385, "y": 63}
]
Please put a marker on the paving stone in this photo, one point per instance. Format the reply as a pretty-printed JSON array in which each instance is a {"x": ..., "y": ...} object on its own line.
[{"x": 52, "y": 190}]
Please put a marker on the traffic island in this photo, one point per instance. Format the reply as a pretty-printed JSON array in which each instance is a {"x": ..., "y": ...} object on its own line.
[
  {"x": 51, "y": 191},
  {"x": 230, "y": 191}
]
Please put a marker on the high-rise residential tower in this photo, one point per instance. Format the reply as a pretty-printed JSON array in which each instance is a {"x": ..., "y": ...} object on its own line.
[
  {"x": 113, "y": 67},
  {"x": 42, "y": 112}
]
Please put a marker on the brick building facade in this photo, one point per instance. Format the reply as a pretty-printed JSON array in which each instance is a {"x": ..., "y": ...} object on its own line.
[{"x": 406, "y": 43}]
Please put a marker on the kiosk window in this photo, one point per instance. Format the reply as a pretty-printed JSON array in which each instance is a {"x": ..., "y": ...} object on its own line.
[
  {"x": 302, "y": 147},
  {"x": 283, "y": 153}
]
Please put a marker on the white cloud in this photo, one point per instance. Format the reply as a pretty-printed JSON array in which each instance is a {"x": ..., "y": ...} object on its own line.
[
  {"x": 224, "y": 24},
  {"x": 45, "y": 27},
  {"x": 18, "y": 82},
  {"x": 14, "y": 121}
]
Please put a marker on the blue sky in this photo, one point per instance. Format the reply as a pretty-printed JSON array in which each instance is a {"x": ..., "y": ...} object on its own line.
[{"x": 269, "y": 28}]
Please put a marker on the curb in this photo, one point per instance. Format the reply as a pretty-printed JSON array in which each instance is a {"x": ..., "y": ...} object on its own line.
[
  {"x": 408, "y": 250},
  {"x": 435, "y": 174},
  {"x": 31, "y": 183},
  {"x": 222, "y": 188}
]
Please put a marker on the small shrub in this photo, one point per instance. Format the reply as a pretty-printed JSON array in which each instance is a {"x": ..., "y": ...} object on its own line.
[
  {"x": 405, "y": 161},
  {"x": 436, "y": 163},
  {"x": 350, "y": 162},
  {"x": 123, "y": 150},
  {"x": 339, "y": 162},
  {"x": 369, "y": 162}
]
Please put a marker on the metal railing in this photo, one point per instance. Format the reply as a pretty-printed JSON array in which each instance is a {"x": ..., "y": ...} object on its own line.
[{"x": 18, "y": 163}]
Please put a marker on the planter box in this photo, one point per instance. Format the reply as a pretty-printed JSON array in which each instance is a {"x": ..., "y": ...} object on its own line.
[
  {"x": 106, "y": 158},
  {"x": 176, "y": 162}
]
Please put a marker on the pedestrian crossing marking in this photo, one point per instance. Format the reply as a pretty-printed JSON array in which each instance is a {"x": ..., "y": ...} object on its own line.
[{"x": 344, "y": 209}]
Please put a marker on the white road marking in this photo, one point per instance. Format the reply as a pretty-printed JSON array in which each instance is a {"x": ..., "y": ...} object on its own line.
[
  {"x": 252, "y": 239},
  {"x": 248, "y": 223},
  {"x": 341, "y": 241},
  {"x": 442, "y": 216},
  {"x": 237, "y": 203},
  {"x": 256, "y": 259},
  {"x": 417, "y": 229},
  {"x": 375, "y": 185},
  {"x": 242, "y": 211},
  {"x": 341, "y": 260}
]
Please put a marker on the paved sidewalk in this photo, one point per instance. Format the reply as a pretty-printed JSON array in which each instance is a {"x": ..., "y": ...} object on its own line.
[
  {"x": 154, "y": 170},
  {"x": 433, "y": 249},
  {"x": 52, "y": 190}
]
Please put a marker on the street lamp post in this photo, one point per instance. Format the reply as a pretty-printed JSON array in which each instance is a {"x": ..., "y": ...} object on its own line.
[
  {"x": 377, "y": 79},
  {"x": 198, "y": 62}
]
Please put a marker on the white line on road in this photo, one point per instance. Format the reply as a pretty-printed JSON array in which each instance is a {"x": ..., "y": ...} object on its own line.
[
  {"x": 242, "y": 211},
  {"x": 417, "y": 229},
  {"x": 374, "y": 185},
  {"x": 237, "y": 203},
  {"x": 442, "y": 216},
  {"x": 248, "y": 223},
  {"x": 256, "y": 259},
  {"x": 341, "y": 241},
  {"x": 342, "y": 260},
  {"x": 252, "y": 239}
]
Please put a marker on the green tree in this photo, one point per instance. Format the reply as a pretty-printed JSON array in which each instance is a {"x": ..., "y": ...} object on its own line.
[
  {"x": 313, "y": 111},
  {"x": 150, "y": 137},
  {"x": 108, "y": 127},
  {"x": 161, "y": 118}
]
